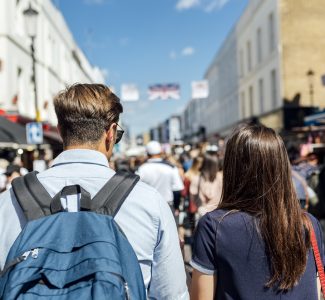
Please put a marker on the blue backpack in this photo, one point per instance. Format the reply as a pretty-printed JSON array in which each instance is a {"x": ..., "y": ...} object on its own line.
[{"x": 72, "y": 255}]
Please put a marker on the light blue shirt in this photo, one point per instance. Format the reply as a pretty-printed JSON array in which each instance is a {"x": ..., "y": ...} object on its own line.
[{"x": 145, "y": 218}]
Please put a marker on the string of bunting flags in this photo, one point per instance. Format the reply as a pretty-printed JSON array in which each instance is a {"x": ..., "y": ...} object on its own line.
[{"x": 168, "y": 91}]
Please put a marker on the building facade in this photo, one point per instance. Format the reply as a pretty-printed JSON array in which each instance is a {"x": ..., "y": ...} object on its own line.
[
  {"x": 259, "y": 60},
  {"x": 167, "y": 132},
  {"x": 191, "y": 120},
  {"x": 268, "y": 68},
  {"x": 59, "y": 60}
]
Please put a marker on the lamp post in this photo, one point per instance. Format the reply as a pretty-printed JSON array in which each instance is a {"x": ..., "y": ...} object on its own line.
[
  {"x": 310, "y": 75},
  {"x": 31, "y": 26}
]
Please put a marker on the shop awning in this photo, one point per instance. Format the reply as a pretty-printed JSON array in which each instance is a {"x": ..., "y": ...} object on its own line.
[
  {"x": 315, "y": 119},
  {"x": 11, "y": 132}
]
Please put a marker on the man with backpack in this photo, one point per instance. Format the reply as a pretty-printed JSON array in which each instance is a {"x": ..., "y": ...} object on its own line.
[{"x": 81, "y": 230}]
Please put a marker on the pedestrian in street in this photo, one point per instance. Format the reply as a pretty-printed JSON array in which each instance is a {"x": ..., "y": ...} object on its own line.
[
  {"x": 190, "y": 175},
  {"x": 13, "y": 171},
  {"x": 206, "y": 187},
  {"x": 88, "y": 116},
  {"x": 257, "y": 243},
  {"x": 160, "y": 174}
]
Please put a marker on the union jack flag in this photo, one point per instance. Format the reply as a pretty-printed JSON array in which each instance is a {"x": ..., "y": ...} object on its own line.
[{"x": 164, "y": 91}]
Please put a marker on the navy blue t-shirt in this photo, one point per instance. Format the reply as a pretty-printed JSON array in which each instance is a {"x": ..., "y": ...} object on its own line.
[{"x": 229, "y": 245}]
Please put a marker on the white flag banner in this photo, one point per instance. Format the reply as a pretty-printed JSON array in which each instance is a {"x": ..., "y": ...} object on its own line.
[
  {"x": 200, "y": 89},
  {"x": 129, "y": 92}
]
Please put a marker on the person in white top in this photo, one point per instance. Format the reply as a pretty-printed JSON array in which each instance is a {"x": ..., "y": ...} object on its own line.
[{"x": 160, "y": 174}]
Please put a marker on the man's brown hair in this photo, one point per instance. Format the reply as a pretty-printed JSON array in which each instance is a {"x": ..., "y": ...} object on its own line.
[{"x": 85, "y": 112}]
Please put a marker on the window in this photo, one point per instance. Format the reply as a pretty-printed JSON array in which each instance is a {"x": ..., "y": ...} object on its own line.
[
  {"x": 261, "y": 94},
  {"x": 259, "y": 45},
  {"x": 242, "y": 106},
  {"x": 271, "y": 32},
  {"x": 249, "y": 56},
  {"x": 241, "y": 61},
  {"x": 273, "y": 88},
  {"x": 251, "y": 101}
]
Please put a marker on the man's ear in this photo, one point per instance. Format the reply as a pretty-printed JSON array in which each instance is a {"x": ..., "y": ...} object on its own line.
[{"x": 110, "y": 133}]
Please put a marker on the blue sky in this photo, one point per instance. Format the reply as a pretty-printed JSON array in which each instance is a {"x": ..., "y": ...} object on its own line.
[{"x": 151, "y": 41}]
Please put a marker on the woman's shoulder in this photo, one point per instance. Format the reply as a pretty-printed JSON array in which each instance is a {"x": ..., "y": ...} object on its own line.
[
  {"x": 228, "y": 218},
  {"x": 316, "y": 225},
  {"x": 221, "y": 215},
  {"x": 232, "y": 229},
  {"x": 312, "y": 218}
]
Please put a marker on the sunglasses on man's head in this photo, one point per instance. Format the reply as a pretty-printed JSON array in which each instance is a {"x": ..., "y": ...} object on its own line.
[{"x": 119, "y": 134}]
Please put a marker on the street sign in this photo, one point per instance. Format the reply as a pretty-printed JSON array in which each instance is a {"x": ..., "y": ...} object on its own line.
[{"x": 34, "y": 133}]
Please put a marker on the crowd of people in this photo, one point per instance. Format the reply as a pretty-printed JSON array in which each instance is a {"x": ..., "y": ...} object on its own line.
[{"x": 243, "y": 221}]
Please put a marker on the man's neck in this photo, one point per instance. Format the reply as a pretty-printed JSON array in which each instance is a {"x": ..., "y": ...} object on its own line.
[{"x": 85, "y": 147}]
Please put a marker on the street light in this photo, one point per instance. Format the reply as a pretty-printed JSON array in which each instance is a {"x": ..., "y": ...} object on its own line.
[
  {"x": 31, "y": 27},
  {"x": 310, "y": 74}
]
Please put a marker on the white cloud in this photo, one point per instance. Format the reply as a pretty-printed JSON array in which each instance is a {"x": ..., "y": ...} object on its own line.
[
  {"x": 95, "y": 2},
  {"x": 206, "y": 5},
  {"x": 188, "y": 51},
  {"x": 172, "y": 55},
  {"x": 215, "y": 4},
  {"x": 187, "y": 4}
]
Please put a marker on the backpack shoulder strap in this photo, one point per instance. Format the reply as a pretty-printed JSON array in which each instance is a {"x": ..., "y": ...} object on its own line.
[
  {"x": 110, "y": 198},
  {"x": 32, "y": 197}
]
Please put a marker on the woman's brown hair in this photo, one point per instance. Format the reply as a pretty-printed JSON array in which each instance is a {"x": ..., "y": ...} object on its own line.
[
  {"x": 210, "y": 167},
  {"x": 257, "y": 180}
]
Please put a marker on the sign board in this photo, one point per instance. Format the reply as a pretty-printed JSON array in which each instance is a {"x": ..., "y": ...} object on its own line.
[
  {"x": 200, "y": 89},
  {"x": 34, "y": 133},
  {"x": 129, "y": 92}
]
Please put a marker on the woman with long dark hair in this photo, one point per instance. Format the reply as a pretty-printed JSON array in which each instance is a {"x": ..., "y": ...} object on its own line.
[{"x": 255, "y": 245}]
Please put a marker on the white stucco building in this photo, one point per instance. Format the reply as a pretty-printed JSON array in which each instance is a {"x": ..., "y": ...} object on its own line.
[
  {"x": 59, "y": 60},
  {"x": 174, "y": 129},
  {"x": 260, "y": 71},
  {"x": 220, "y": 109},
  {"x": 167, "y": 132},
  {"x": 259, "y": 59},
  {"x": 192, "y": 119}
]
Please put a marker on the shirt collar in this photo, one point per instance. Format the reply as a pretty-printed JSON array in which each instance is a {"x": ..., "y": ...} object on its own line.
[
  {"x": 81, "y": 156},
  {"x": 155, "y": 159}
]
